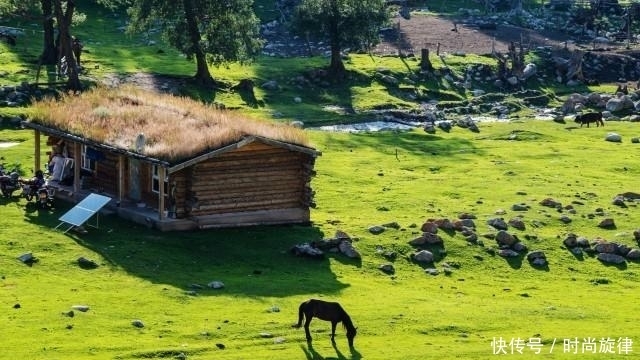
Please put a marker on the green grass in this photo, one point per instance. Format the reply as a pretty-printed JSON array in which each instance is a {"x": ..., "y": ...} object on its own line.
[
  {"x": 401, "y": 177},
  {"x": 362, "y": 180}
]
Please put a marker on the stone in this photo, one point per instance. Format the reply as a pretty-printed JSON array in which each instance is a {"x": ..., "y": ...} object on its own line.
[
  {"x": 216, "y": 285},
  {"x": 137, "y": 323},
  {"x": 611, "y": 258},
  {"x": 423, "y": 256}
]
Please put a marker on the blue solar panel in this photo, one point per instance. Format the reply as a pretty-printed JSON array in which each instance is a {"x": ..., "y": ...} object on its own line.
[
  {"x": 86, "y": 208},
  {"x": 76, "y": 216},
  {"x": 94, "y": 202}
]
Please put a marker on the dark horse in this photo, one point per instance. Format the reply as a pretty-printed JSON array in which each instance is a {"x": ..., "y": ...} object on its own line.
[{"x": 329, "y": 311}]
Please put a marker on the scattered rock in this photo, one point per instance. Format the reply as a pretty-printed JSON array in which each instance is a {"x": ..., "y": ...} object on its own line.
[
  {"x": 137, "y": 323},
  {"x": 216, "y": 285}
]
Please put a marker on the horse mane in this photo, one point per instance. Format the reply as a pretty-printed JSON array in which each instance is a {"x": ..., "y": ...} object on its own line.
[{"x": 346, "y": 322}]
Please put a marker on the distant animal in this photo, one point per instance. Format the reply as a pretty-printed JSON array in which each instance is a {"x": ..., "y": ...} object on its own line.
[
  {"x": 588, "y": 118},
  {"x": 328, "y": 311}
]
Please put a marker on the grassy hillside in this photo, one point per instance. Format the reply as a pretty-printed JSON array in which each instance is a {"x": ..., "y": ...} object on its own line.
[
  {"x": 404, "y": 178},
  {"x": 362, "y": 180}
]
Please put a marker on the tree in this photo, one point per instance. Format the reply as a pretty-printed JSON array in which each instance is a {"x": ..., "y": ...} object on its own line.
[
  {"x": 214, "y": 32},
  {"x": 341, "y": 23},
  {"x": 59, "y": 14},
  {"x": 40, "y": 10}
]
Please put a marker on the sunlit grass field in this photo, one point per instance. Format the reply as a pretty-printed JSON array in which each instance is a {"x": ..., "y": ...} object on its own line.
[
  {"x": 362, "y": 180},
  {"x": 487, "y": 307}
]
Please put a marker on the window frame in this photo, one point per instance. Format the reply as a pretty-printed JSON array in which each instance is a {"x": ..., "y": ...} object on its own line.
[
  {"x": 155, "y": 181},
  {"x": 84, "y": 160}
]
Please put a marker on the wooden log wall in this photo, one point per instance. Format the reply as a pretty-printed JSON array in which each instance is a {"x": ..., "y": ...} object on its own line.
[
  {"x": 255, "y": 177},
  {"x": 106, "y": 175}
]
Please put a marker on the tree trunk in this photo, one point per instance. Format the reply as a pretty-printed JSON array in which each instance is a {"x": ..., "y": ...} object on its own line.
[
  {"x": 203, "y": 76},
  {"x": 336, "y": 68},
  {"x": 425, "y": 63},
  {"x": 49, "y": 52},
  {"x": 64, "y": 32}
]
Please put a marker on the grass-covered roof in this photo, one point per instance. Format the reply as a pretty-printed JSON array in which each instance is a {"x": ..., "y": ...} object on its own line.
[{"x": 174, "y": 128}]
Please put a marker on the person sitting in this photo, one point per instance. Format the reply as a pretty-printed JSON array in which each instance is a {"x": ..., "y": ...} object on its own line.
[{"x": 57, "y": 166}]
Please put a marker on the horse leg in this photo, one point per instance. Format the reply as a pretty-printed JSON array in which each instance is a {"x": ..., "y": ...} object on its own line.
[
  {"x": 333, "y": 331},
  {"x": 306, "y": 328}
]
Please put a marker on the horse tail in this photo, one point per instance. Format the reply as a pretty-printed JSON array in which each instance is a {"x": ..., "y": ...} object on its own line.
[{"x": 300, "y": 315}]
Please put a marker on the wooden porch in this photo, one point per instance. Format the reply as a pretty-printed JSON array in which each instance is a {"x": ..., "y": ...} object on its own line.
[
  {"x": 139, "y": 213},
  {"x": 148, "y": 216}
]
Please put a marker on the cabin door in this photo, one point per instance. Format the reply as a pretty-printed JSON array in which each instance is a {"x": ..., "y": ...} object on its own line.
[{"x": 135, "y": 192}]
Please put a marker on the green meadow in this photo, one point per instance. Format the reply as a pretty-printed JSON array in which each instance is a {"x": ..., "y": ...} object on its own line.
[
  {"x": 362, "y": 180},
  {"x": 483, "y": 307}
]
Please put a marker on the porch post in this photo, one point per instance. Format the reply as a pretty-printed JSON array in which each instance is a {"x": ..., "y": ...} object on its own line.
[
  {"x": 120, "y": 178},
  {"x": 77, "y": 153},
  {"x": 36, "y": 150},
  {"x": 162, "y": 172}
]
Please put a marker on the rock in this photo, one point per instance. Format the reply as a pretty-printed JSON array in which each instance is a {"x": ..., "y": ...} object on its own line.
[
  {"x": 503, "y": 238},
  {"x": 216, "y": 285},
  {"x": 498, "y": 223},
  {"x": 633, "y": 254},
  {"x": 607, "y": 224},
  {"x": 307, "y": 250},
  {"x": 507, "y": 253},
  {"x": 432, "y": 271},
  {"x": 536, "y": 254},
  {"x": 86, "y": 263},
  {"x": 520, "y": 207},
  {"x": 613, "y": 137},
  {"x": 517, "y": 223},
  {"x": 346, "y": 247},
  {"x": 619, "y": 201},
  {"x": 376, "y": 230},
  {"x": 423, "y": 256},
  {"x": 615, "y": 105},
  {"x": 271, "y": 85},
  {"x": 387, "y": 268},
  {"x": 529, "y": 70},
  {"x": 429, "y": 227},
  {"x": 27, "y": 258},
  {"x": 606, "y": 247},
  {"x": 83, "y": 308},
  {"x": 565, "y": 219},
  {"x": 549, "y": 202},
  {"x": 570, "y": 241},
  {"x": 611, "y": 258},
  {"x": 137, "y": 323}
]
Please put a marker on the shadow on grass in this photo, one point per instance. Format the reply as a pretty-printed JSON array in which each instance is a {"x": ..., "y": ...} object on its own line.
[
  {"x": 414, "y": 143},
  {"x": 253, "y": 261},
  {"x": 311, "y": 354}
]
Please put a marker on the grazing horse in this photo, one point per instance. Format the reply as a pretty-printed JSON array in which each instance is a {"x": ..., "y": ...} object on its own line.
[
  {"x": 588, "y": 118},
  {"x": 328, "y": 311}
]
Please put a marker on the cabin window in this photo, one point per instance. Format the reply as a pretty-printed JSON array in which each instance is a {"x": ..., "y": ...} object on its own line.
[
  {"x": 155, "y": 182},
  {"x": 89, "y": 158}
]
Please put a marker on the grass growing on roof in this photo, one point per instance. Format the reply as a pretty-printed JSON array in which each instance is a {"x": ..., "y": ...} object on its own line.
[{"x": 174, "y": 127}]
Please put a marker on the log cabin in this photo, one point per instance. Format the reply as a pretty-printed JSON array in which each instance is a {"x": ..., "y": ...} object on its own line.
[{"x": 174, "y": 163}]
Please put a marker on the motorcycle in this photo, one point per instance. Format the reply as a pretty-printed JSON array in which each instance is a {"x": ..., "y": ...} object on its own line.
[
  {"x": 31, "y": 186},
  {"x": 9, "y": 182},
  {"x": 38, "y": 189},
  {"x": 46, "y": 195}
]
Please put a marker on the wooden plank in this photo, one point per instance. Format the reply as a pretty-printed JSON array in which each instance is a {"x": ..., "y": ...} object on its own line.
[
  {"x": 229, "y": 179},
  {"x": 220, "y": 198},
  {"x": 252, "y": 218},
  {"x": 242, "y": 188},
  {"x": 249, "y": 205}
]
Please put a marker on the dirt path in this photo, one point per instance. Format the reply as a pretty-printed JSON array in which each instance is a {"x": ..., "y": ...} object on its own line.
[{"x": 427, "y": 31}]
